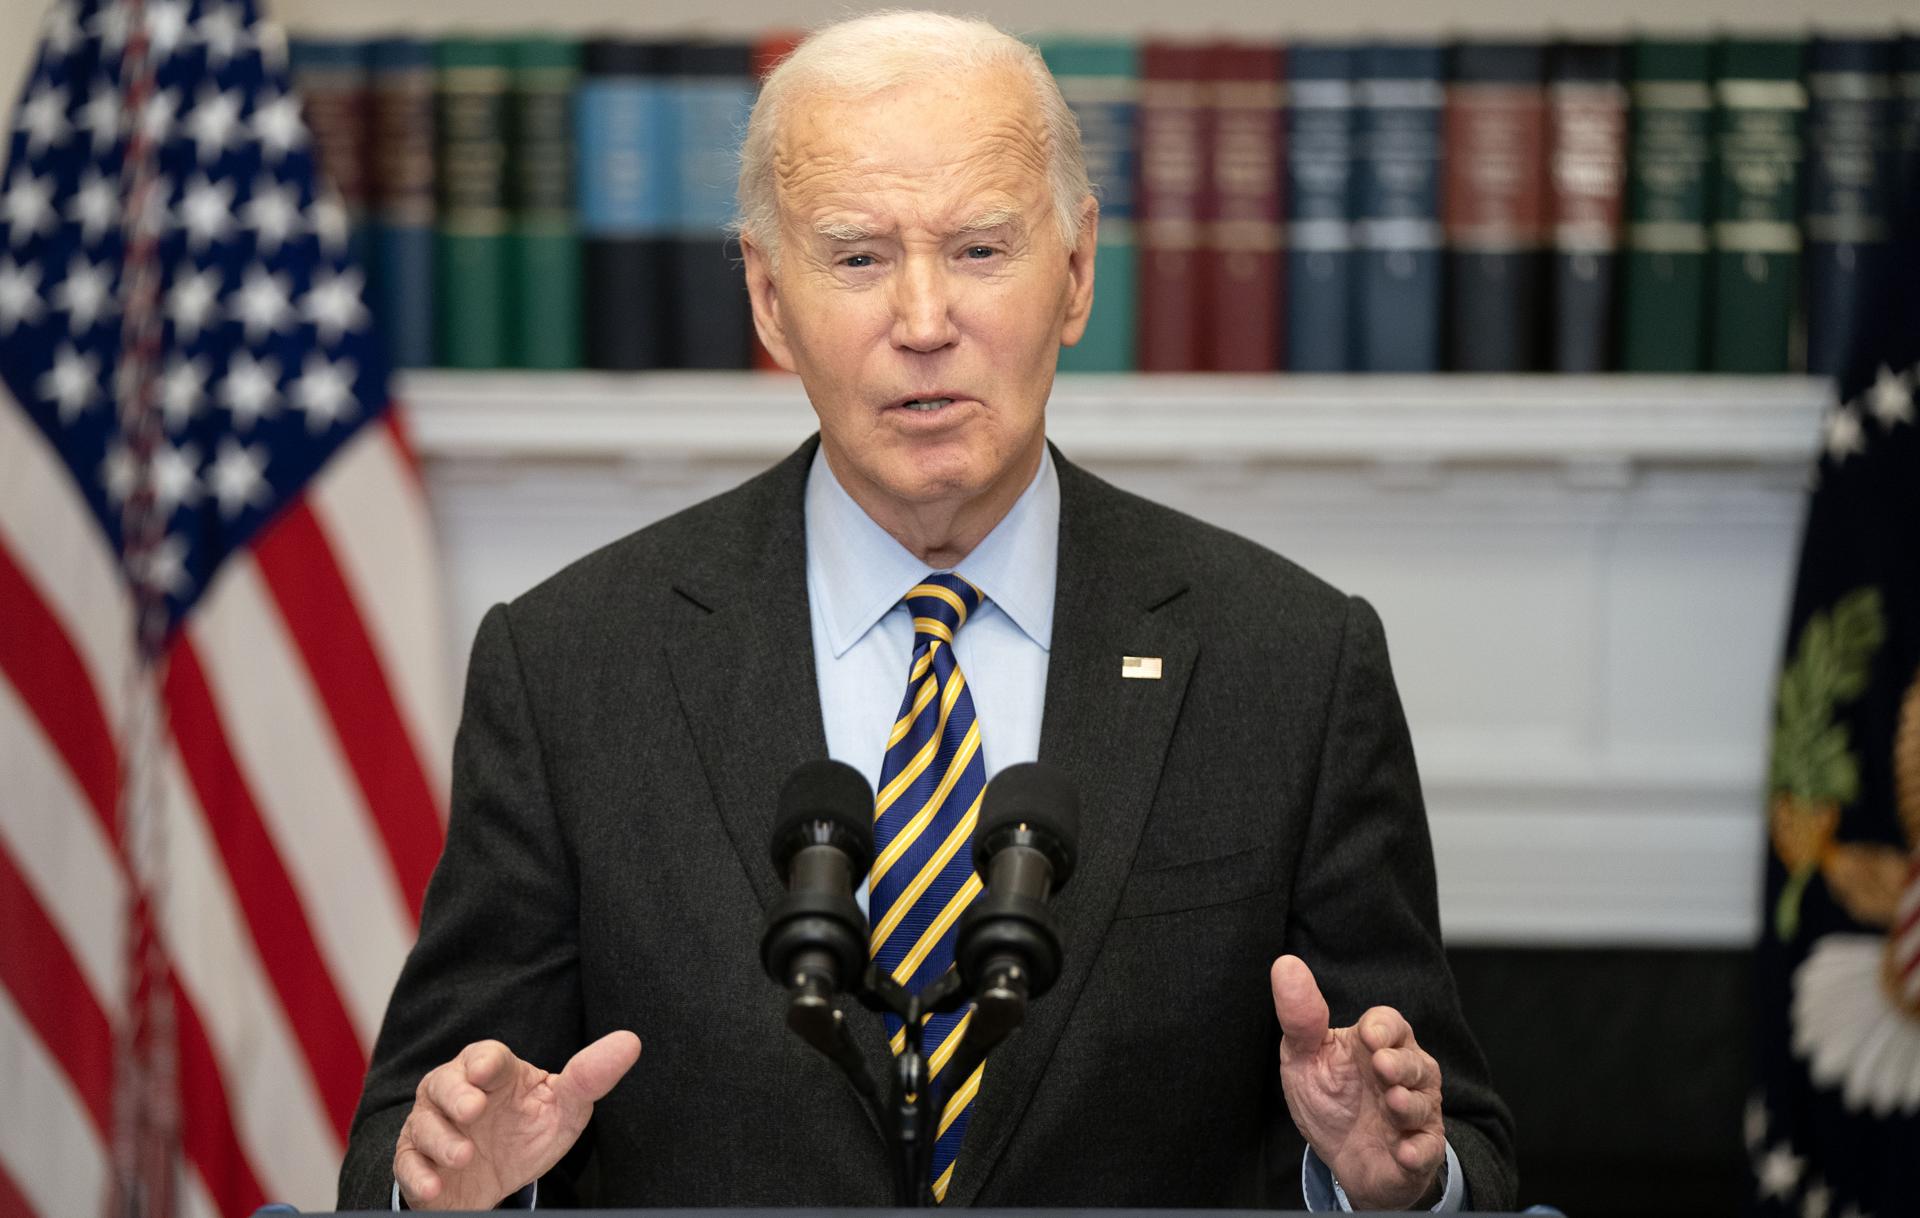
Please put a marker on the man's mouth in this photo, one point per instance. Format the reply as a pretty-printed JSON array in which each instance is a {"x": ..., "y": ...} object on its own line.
[{"x": 926, "y": 404}]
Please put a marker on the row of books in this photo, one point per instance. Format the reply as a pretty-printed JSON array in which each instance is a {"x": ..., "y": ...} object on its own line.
[{"x": 1650, "y": 205}]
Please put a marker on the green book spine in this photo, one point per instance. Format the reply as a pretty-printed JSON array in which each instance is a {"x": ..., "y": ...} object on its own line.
[
  {"x": 1101, "y": 82},
  {"x": 1664, "y": 297},
  {"x": 543, "y": 251},
  {"x": 1761, "y": 106},
  {"x": 474, "y": 293}
]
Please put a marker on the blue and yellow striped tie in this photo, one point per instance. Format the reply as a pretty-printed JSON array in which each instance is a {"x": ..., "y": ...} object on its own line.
[{"x": 923, "y": 877}]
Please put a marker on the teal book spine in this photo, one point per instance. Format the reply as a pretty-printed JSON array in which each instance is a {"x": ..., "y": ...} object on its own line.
[{"x": 1101, "y": 82}]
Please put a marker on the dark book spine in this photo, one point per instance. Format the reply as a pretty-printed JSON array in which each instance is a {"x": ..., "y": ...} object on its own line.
[
  {"x": 1319, "y": 196},
  {"x": 1496, "y": 206},
  {"x": 544, "y": 251},
  {"x": 712, "y": 92},
  {"x": 1586, "y": 185},
  {"x": 1101, "y": 82},
  {"x": 1400, "y": 90},
  {"x": 1906, "y": 121},
  {"x": 1760, "y": 108},
  {"x": 1244, "y": 242},
  {"x": 1850, "y": 168},
  {"x": 626, "y": 197},
  {"x": 331, "y": 76},
  {"x": 1173, "y": 200},
  {"x": 471, "y": 255},
  {"x": 401, "y": 93},
  {"x": 1669, "y": 166}
]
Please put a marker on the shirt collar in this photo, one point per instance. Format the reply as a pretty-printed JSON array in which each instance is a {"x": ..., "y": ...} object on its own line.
[{"x": 857, "y": 572}]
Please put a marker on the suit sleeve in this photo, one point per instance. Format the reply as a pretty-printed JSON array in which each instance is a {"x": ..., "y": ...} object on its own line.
[
  {"x": 498, "y": 954},
  {"x": 1366, "y": 918}
]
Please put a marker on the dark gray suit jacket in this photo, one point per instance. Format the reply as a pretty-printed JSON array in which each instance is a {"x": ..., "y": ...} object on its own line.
[{"x": 627, "y": 727}]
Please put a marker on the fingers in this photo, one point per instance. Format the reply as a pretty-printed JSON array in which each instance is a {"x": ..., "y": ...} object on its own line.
[
  {"x": 1410, "y": 1111},
  {"x": 1298, "y": 1004},
  {"x": 448, "y": 1090},
  {"x": 438, "y": 1141},
  {"x": 419, "y": 1183},
  {"x": 1420, "y": 1154},
  {"x": 593, "y": 1071},
  {"x": 1410, "y": 1067},
  {"x": 1384, "y": 1028},
  {"x": 488, "y": 1064}
]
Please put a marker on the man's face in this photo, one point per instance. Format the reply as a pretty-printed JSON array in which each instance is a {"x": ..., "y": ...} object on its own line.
[{"x": 921, "y": 260}]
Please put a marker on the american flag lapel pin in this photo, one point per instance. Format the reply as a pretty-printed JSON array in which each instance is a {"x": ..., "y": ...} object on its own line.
[{"x": 1140, "y": 668}]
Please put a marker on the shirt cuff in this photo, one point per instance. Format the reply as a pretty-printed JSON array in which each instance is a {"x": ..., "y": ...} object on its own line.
[
  {"x": 526, "y": 1199},
  {"x": 1324, "y": 1195}
]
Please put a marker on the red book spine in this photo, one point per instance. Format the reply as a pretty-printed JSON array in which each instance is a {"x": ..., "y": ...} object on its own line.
[
  {"x": 768, "y": 51},
  {"x": 1242, "y": 276},
  {"x": 1174, "y": 130}
]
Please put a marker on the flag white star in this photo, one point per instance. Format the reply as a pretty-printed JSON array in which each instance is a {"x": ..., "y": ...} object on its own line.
[
  {"x": 166, "y": 28},
  {"x": 324, "y": 392},
  {"x": 262, "y": 304},
  {"x": 85, "y": 294},
  {"x": 333, "y": 304},
  {"x": 1818, "y": 1201},
  {"x": 43, "y": 117},
  {"x": 72, "y": 384},
  {"x": 101, "y": 116},
  {"x": 273, "y": 213},
  {"x": 61, "y": 29},
  {"x": 156, "y": 117},
  {"x": 95, "y": 206},
  {"x": 251, "y": 388},
  {"x": 182, "y": 390},
  {"x": 1891, "y": 398},
  {"x": 238, "y": 476},
  {"x": 110, "y": 25},
  {"x": 191, "y": 302},
  {"x": 176, "y": 478},
  {"x": 19, "y": 295},
  {"x": 327, "y": 217},
  {"x": 221, "y": 32},
  {"x": 278, "y": 126},
  {"x": 1780, "y": 1172},
  {"x": 119, "y": 472},
  {"x": 206, "y": 212},
  {"x": 164, "y": 567},
  {"x": 1844, "y": 435},
  {"x": 214, "y": 122},
  {"x": 27, "y": 208}
]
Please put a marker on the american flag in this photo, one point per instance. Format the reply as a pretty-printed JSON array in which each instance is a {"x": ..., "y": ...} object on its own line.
[{"x": 223, "y": 714}]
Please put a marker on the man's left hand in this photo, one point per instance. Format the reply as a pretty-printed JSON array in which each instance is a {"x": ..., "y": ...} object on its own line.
[{"x": 1366, "y": 1098}]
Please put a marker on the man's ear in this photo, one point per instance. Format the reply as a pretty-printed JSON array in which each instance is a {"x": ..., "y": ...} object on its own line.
[
  {"x": 1080, "y": 274},
  {"x": 765, "y": 296}
]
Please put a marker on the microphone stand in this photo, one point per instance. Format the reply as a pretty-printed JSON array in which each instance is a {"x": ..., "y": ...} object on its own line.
[{"x": 907, "y": 1116}]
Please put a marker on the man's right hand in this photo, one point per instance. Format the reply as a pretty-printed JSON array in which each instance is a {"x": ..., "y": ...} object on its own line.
[{"x": 487, "y": 1124}]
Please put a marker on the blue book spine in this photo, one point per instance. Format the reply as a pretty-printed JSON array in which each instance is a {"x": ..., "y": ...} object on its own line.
[
  {"x": 401, "y": 81},
  {"x": 1321, "y": 122},
  {"x": 1400, "y": 90},
  {"x": 711, "y": 96},
  {"x": 1850, "y": 168},
  {"x": 625, "y": 119}
]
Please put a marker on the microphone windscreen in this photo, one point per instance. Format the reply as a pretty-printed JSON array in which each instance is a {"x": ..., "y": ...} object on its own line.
[
  {"x": 830, "y": 791},
  {"x": 1037, "y": 795}
]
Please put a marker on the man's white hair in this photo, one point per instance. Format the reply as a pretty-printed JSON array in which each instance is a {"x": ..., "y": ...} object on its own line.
[{"x": 867, "y": 55}]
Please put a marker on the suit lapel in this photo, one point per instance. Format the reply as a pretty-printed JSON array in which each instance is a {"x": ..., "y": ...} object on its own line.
[
  {"x": 1110, "y": 734},
  {"x": 746, "y": 683}
]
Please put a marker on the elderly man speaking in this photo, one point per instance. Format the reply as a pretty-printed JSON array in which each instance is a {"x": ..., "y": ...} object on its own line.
[{"x": 1252, "y": 952}]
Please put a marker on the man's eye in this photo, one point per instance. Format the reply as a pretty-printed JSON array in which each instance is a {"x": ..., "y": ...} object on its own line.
[
  {"x": 857, "y": 261},
  {"x": 977, "y": 252}
]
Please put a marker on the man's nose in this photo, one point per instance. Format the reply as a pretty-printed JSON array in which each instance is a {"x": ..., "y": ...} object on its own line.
[{"x": 922, "y": 306}]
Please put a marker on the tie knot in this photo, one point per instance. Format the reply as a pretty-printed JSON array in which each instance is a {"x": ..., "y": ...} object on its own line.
[{"x": 940, "y": 604}]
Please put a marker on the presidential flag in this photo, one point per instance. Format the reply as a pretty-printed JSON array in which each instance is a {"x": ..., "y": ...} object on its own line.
[
  {"x": 1833, "y": 1128},
  {"x": 223, "y": 716}
]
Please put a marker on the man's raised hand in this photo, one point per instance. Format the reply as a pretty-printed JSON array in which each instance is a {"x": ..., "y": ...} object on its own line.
[
  {"x": 1366, "y": 1098},
  {"x": 487, "y": 1124}
]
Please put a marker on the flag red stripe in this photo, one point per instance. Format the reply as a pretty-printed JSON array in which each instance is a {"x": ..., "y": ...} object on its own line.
[
  {"x": 45, "y": 668},
  {"x": 396, "y": 425},
  {"x": 38, "y": 969},
  {"x": 266, "y": 893},
  {"x": 206, "y": 1119},
  {"x": 326, "y": 626},
  {"x": 12, "y": 1200}
]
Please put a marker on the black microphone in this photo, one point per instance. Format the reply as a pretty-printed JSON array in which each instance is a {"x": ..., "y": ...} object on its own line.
[
  {"x": 1007, "y": 946},
  {"x": 816, "y": 938}
]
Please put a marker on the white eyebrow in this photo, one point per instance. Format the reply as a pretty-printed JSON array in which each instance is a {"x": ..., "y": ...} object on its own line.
[
  {"x": 980, "y": 222},
  {"x": 844, "y": 230}
]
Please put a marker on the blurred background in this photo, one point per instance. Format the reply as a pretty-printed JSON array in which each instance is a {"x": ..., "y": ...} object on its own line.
[{"x": 1570, "y": 466}]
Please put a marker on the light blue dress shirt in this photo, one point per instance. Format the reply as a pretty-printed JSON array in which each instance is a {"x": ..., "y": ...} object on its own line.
[{"x": 857, "y": 575}]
